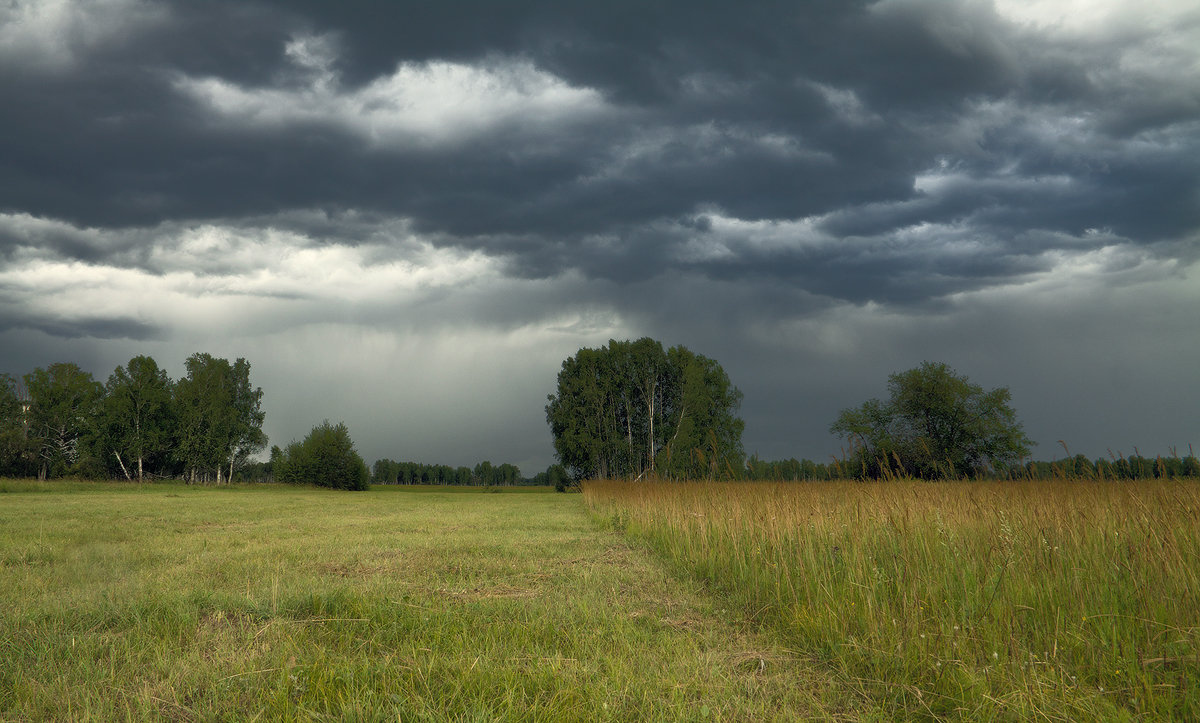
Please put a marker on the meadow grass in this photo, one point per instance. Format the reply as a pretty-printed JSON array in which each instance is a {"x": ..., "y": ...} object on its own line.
[
  {"x": 170, "y": 602},
  {"x": 969, "y": 600}
]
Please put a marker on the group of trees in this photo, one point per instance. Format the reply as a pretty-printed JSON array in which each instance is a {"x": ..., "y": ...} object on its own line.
[
  {"x": 555, "y": 476},
  {"x": 628, "y": 409},
  {"x": 1078, "y": 467},
  {"x": 631, "y": 409},
  {"x": 793, "y": 470},
  {"x": 389, "y": 472},
  {"x": 140, "y": 423}
]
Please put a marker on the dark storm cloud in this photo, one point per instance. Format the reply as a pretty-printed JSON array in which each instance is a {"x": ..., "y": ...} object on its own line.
[
  {"x": 112, "y": 143},
  {"x": 775, "y": 112},
  {"x": 84, "y": 328}
]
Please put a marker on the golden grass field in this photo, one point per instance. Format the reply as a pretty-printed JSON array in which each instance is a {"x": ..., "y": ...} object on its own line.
[{"x": 978, "y": 600}]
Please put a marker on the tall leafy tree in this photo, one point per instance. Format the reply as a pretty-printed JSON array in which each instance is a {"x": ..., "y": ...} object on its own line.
[
  {"x": 14, "y": 447},
  {"x": 632, "y": 408},
  {"x": 220, "y": 415},
  {"x": 934, "y": 424},
  {"x": 138, "y": 417},
  {"x": 63, "y": 403},
  {"x": 707, "y": 436},
  {"x": 247, "y": 437}
]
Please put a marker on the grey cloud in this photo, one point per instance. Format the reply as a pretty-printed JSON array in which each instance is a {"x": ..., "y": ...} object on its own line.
[
  {"x": 141, "y": 154},
  {"x": 97, "y": 327}
]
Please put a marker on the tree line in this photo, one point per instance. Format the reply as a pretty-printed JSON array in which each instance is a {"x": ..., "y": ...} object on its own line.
[
  {"x": 629, "y": 409},
  {"x": 1115, "y": 467},
  {"x": 1079, "y": 467},
  {"x": 140, "y": 423},
  {"x": 389, "y": 472}
]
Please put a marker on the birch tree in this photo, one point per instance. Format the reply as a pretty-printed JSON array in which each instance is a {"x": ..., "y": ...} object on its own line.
[
  {"x": 220, "y": 416},
  {"x": 632, "y": 408},
  {"x": 13, "y": 434},
  {"x": 63, "y": 402},
  {"x": 138, "y": 416}
]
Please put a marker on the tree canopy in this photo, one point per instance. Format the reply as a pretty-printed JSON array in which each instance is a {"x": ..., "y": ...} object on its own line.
[
  {"x": 220, "y": 415},
  {"x": 63, "y": 403},
  {"x": 934, "y": 424},
  {"x": 15, "y": 451},
  {"x": 137, "y": 422},
  {"x": 632, "y": 408},
  {"x": 326, "y": 458}
]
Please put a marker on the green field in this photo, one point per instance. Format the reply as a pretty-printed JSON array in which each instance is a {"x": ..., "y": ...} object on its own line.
[
  {"x": 186, "y": 603},
  {"x": 633, "y": 601}
]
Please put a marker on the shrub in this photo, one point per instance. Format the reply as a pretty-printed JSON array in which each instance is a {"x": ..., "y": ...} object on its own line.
[{"x": 325, "y": 458}]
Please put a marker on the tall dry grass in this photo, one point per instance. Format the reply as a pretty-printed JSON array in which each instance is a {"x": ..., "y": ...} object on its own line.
[{"x": 1011, "y": 600}]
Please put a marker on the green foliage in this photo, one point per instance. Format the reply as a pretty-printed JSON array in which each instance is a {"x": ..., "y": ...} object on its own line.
[
  {"x": 632, "y": 408},
  {"x": 935, "y": 424},
  {"x": 140, "y": 423},
  {"x": 390, "y": 472},
  {"x": 137, "y": 423},
  {"x": 15, "y": 451},
  {"x": 557, "y": 476},
  {"x": 326, "y": 458},
  {"x": 220, "y": 416},
  {"x": 63, "y": 403},
  {"x": 790, "y": 470},
  {"x": 1117, "y": 467}
]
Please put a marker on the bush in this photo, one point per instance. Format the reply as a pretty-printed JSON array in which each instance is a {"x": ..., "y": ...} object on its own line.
[{"x": 325, "y": 458}]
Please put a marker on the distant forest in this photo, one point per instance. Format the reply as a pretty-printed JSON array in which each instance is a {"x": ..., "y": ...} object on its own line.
[
  {"x": 389, "y": 472},
  {"x": 1078, "y": 467}
]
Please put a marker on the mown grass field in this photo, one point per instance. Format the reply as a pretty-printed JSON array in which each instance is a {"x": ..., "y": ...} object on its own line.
[
  {"x": 168, "y": 602},
  {"x": 969, "y": 600},
  {"x": 633, "y": 601}
]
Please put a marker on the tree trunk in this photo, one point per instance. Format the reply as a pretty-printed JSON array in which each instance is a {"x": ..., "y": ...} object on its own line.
[
  {"x": 118, "y": 456},
  {"x": 650, "y": 445}
]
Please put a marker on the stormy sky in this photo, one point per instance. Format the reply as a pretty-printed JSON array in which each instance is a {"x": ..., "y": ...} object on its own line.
[{"x": 406, "y": 215}]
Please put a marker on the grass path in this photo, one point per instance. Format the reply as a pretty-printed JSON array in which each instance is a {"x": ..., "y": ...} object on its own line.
[{"x": 178, "y": 603}]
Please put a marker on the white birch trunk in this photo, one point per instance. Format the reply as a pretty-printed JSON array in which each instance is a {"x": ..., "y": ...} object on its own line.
[{"x": 118, "y": 456}]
